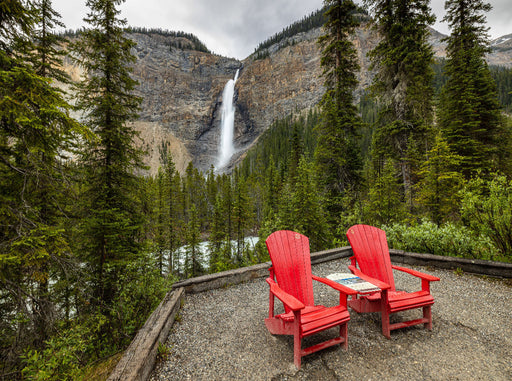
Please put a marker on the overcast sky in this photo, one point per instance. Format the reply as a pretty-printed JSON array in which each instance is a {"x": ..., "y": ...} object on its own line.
[{"x": 234, "y": 28}]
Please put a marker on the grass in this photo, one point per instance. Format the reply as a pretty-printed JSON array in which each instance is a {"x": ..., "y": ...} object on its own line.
[{"x": 101, "y": 370}]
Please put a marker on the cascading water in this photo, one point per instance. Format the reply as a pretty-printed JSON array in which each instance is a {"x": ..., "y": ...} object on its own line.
[{"x": 227, "y": 148}]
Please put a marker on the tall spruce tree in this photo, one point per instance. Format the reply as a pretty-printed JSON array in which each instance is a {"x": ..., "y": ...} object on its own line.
[
  {"x": 402, "y": 83},
  {"x": 48, "y": 44},
  {"x": 35, "y": 132},
  {"x": 112, "y": 216},
  {"x": 337, "y": 155},
  {"x": 469, "y": 111}
]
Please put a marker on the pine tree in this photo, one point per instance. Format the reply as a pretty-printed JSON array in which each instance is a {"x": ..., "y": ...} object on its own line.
[
  {"x": 193, "y": 256},
  {"x": 403, "y": 83},
  {"x": 160, "y": 217},
  {"x": 440, "y": 183},
  {"x": 216, "y": 239},
  {"x": 384, "y": 204},
  {"x": 309, "y": 214},
  {"x": 337, "y": 153},
  {"x": 35, "y": 134},
  {"x": 469, "y": 112},
  {"x": 112, "y": 216},
  {"x": 173, "y": 216},
  {"x": 48, "y": 44},
  {"x": 242, "y": 215}
]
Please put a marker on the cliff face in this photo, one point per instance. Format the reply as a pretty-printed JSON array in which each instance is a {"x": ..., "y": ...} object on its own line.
[
  {"x": 182, "y": 91},
  {"x": 288, "y": 80}
]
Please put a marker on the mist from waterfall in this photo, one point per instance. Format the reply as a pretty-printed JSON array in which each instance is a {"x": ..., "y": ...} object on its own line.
[{"x": 227, "y": 148}]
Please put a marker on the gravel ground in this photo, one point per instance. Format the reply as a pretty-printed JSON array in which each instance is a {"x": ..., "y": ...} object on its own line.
[{"x": 221, "y": 335}]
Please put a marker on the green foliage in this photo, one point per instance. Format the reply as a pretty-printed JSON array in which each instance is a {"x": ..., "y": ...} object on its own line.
[
  {"x": 83, "y": 340},
  {"x": 486, "y": 208},
  {"x": 337, "y": 154},
  {"x": 469, "y": 112},
  {"x": 84, "y": 245},
  {"x": 439, "y": 182},
  {"x": 314, "y": 20},
  {"x": 384, "y": 201},
  {"x": 275, "y": 144},
  {"x": 302, "y": 207},
  {"x": 141, "y": 288},
  {"x": 36, "y": 135},
  {"x": 448, "y": 240},
  {"x": 48, "y": 52},
  {"x": 502, "y": 76},
  {"x": 111, "y": 213},
  {"x": 193, "y": 253},
  {"x": 63, "y": 357},
  {"x": 403, "y": 84}
]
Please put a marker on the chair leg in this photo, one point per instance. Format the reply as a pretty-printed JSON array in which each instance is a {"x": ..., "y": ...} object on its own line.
[
  {"x": 344, "y": 334},
  {"x": 386, "y": 329},
  {"x": 297, "y": 348},
  {"x": 427, "y": 314}
]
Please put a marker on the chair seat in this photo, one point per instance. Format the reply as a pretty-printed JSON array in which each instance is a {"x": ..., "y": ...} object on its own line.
[
  {"x": 317, "y": 318},
  {"x": 402, "y": 300}
]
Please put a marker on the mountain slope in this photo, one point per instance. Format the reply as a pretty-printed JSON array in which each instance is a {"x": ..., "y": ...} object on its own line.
[{"x": 182, "y": 89}]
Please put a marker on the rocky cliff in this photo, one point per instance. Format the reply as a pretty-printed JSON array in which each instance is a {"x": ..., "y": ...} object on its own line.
[
  {"x": 182, "y": 93},
  {"x": 182, "y": 90}
]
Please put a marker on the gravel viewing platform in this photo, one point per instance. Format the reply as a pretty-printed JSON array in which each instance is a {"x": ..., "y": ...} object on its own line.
[{"x": 220, "y": 335}]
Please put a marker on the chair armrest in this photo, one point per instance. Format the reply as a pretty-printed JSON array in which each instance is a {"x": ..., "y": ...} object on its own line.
[
  {"x": 415, "y": 273},
  {"x": 380, "y": 284},
  {"x": 341, "y": 288},
  {"x": 290, "y": 301}
]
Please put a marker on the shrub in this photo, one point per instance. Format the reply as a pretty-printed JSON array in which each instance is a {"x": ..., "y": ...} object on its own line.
[
  {"x": 98, "y": 336},
  {"x": 487, "y": 208},
  {"x": 448, "y": 239},
  {"x": 64, "y": 355}
]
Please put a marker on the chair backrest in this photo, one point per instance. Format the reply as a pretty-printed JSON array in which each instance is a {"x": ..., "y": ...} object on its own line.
[
  {"x": 370, "y": 248},
  {"x": 291, "y": 260}
]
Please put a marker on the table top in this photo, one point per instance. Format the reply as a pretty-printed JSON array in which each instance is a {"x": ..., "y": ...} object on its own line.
[{"x": 354, "y": 282}]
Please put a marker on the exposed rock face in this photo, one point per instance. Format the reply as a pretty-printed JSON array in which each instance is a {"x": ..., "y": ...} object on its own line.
[
  {"x": 271, "y": 88},
  {"x": 501, "y": 51},
  {"x": 182, "y": 93},
  {"x": 287, "y": 81},
  {"x": 500, "y": 55},
  {"x": 182, "y": 90}
]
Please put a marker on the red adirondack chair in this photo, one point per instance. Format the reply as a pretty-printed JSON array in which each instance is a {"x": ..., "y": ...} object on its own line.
[
  {"x": 291, "y": 281},
  {"x": 371, "y": 261}
]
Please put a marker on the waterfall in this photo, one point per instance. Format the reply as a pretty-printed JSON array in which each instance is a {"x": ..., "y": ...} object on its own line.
[{"x": 227, "y": 148}]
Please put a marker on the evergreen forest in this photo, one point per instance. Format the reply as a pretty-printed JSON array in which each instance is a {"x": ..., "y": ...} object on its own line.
[{"x": 89, "y": 247}]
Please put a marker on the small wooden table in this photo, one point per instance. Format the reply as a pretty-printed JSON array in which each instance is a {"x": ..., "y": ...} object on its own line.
[{"x": 354, "y": 282}]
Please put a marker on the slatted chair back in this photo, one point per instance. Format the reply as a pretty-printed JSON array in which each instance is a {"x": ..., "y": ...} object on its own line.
[
  {"x": 291, "y": 263},
  {"x": 371, "y": 251}
]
